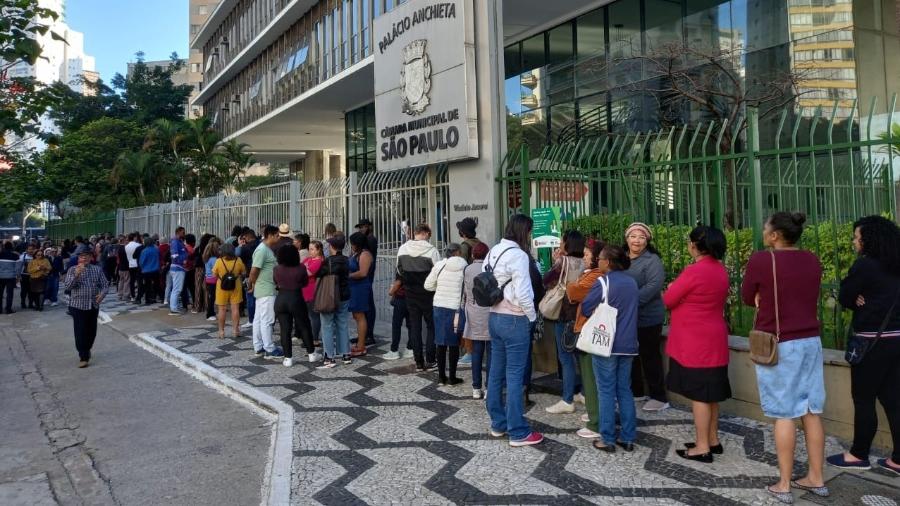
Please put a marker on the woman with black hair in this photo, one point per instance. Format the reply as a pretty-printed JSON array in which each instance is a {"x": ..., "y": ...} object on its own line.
[
  {"x": 783, "y": 284},
  {"x": 872, "y": 291},
  {"x": 200, "y": 296},
  {"x": 698, "y": 338},
  {"x": 361, "y": 262},
  {"x": 566, "y": 269},
  {"x": 647, "y": 270},
  {"x": 290, "y": 307},
  {"x": 510, "y": 327},
  {"x": 612, "y": 374}
]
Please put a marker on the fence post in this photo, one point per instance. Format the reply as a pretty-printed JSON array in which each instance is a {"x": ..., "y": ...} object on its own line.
[
  {"x": 353, "y": 211},
  {"x": 293, "y": 205},
  {"x": 525, "y": 182},
  {"x": 756, "y": 193}
]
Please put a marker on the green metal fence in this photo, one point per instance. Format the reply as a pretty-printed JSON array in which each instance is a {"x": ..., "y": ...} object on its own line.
[
  {"x": 84, "y": 224},
  {"x": 833, "y": 169}
]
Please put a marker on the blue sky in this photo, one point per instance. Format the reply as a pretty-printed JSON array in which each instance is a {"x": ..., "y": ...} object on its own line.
[{"x": 116, "y": 29}]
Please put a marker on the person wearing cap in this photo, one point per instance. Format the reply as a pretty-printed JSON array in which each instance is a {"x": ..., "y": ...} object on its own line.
[
  {"x": 466, "y": 228},
  {"x": 366, "y": 226},
  {"x": 87, "y": 286},
  {"x": 647, "y": 270},
  {"x": 262, "y": 285},
  {"x": 285, "y": 238}
]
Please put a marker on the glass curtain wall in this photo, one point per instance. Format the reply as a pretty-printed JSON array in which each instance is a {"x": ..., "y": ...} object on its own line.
[
  {"x": 600, "y": 72},
  {"x": 359, "y": 128}
]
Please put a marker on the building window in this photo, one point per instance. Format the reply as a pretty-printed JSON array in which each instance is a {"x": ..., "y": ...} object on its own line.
[
  {"x": 202, "y": 10},
  {"x": 195, "y": 67},
  {"x": 254, "y": 88},
  {"x": 195, "y": 29}
]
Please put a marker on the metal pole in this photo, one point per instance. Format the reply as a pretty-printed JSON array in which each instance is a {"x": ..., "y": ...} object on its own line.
[{"x": 756, "y": 199}]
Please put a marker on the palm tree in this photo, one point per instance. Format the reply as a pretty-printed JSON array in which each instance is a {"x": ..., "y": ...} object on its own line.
[
  {"x": 236, "y": 161},
  {"x": 202, "y": 155},
  {"x": 892, "y": 142},
  {"x": 169, "y": 136},
  {"x": 137, "y": 169}
]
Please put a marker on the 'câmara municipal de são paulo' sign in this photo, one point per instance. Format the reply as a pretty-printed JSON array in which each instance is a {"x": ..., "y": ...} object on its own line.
[{"x": 425, "y": 109}]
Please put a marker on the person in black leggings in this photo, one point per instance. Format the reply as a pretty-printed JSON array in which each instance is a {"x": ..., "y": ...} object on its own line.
[{"x": 290, "y": 308}]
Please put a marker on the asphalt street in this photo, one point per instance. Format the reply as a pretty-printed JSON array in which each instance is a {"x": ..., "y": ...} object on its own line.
[{"x": 129, "y": 429}]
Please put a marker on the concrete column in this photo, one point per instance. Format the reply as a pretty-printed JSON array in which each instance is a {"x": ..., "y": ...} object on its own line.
[{"x": 473, "y": 191}]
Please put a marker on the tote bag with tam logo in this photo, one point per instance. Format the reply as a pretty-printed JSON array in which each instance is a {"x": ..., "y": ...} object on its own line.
[{"x": 599, "y": 332}]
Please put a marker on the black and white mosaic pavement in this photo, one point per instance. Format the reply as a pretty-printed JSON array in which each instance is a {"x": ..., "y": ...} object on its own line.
[{"x": 374, "y": 432}]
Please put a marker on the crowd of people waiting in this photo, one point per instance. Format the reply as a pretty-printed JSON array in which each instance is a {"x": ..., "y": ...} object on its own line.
[{"x": 312, "y": 290}]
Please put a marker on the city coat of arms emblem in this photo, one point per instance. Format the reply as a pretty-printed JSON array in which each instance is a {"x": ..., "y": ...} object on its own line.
[{"x": 415, "y": 78}]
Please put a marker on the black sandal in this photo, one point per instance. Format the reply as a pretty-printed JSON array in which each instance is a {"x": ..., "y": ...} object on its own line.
[{"x": 706, "y": 458}]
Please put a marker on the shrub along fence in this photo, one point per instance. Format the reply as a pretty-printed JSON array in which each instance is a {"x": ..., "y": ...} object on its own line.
[{"x": 833, "y": 169}]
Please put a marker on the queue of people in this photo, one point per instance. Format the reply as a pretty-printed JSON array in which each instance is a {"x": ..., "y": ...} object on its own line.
[{"x": 486, "y": 302}]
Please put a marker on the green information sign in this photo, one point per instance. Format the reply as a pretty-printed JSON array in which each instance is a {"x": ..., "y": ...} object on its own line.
[{"x": 546, "y": 234}]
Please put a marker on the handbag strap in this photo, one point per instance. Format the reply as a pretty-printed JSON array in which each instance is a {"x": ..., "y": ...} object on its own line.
[{"x": 887, "y": 317}]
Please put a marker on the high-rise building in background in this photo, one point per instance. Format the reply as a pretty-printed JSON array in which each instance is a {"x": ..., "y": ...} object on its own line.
[
  {"x": 199, "y": 13},
  {"x": 60, "y": 61}
]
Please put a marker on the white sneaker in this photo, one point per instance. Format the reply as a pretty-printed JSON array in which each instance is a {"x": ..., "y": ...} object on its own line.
[
  {"x": 655, "y": 405},
  {"x": 585, "y": 418},
  {"x": 477, "y": 393},
  {"x": 287, "y": 362},
  {"x": 54, "y": 304},
  {"x": 392, "y": 355},
  {"x": 247, "y": 325},
  {"x": 587, "y": 433},
  {"x": 211, "y": 319},
  {"x": 315, "y": 357},
  {"x": 407, "y": 353},
  {"x": 560, "y": 408},
  {"x": 579, "y": 399},
  {"x": 642, "y": 398}
]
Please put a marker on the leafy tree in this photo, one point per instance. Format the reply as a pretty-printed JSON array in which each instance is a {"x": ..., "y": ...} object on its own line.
[
  {"x": 22, "y": 100},
  {"x": 71, "y": 110},
  {"x": 137, "y": 172},
  {"x": 79, "y": 169},
  {"x": 149, "y": 94},
  {"x": 892, "y": 140}
]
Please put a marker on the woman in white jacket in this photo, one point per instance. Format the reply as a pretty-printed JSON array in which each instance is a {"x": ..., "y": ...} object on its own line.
[{"x": 446, "y": 281}]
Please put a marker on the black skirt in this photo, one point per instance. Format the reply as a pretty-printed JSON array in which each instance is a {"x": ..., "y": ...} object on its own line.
[{"x": 701, "y": 384}]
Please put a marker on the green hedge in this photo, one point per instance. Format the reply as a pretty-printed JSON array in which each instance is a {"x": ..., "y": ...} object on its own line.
[{"x": 830, "y": 242}]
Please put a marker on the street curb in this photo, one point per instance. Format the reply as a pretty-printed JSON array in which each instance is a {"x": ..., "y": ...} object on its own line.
[{"x": 276, "y": 487}]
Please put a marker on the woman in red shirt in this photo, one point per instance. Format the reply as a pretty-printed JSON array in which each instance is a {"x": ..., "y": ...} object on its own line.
[
  {"x": 698, "y": 339},
  {"x": 313, "y": 263}
]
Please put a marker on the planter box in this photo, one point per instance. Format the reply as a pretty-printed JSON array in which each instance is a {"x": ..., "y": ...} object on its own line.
[{"x": 838, "y": 415}]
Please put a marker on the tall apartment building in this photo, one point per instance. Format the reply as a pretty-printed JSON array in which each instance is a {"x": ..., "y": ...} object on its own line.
[
  {"x": 60, "y": 61},
  {"x": 199, "y": 13}
]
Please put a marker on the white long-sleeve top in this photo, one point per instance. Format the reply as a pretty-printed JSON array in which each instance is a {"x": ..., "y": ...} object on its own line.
[
  {"x": 446, "y": 281},
  {"x": 518, "y": 296}
]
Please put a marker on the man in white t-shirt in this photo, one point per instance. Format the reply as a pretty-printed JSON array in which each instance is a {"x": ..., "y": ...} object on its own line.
[{"x": 134, "y": 270}]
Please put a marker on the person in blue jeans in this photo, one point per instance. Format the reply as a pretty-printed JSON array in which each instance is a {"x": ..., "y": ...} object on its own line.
[
  {"x": 613, "y": 373},
  {"x": 566, "y": 269},
  {"x": 51, "y": 293},
  {"x": 510, "y": 326},
  {"x": 335, "y": 332}
]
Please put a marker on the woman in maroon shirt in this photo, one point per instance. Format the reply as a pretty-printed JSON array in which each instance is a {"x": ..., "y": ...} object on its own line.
[
  {"x": 698, "y": 339},
  {"x": 795, "y": 386}
]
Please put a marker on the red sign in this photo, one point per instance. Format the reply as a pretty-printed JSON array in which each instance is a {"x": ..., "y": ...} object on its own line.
[
  {"x": 563, "y": 191},
  {"x": 514, "y": 195}
]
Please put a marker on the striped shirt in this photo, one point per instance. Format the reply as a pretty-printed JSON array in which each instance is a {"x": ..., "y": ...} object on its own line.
[{"x": 86, "y": 287}]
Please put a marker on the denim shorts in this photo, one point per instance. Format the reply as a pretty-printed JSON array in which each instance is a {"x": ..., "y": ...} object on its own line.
[{"x": 796, "y": 385}]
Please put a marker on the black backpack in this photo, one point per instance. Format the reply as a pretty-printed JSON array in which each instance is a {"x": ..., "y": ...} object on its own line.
[
  {"x": 485, "y": 289},
  {"x": 229, "y": 280}
]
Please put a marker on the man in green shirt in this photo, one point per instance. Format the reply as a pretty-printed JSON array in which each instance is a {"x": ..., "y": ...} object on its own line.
[{"x": 262, "y": 286}]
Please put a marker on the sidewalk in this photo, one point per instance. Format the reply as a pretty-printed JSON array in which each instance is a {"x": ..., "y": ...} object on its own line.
[{"x": 375, "y": 432}]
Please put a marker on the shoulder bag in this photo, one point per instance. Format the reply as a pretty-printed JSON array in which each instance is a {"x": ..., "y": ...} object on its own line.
[
  {"x": 599, "y": 332},
  {"x": 764, "y": 345},
  {"x": 328, "y": 292},
  {"x": 859, "y": 346},
  {"x": 551, "y": 304}
]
